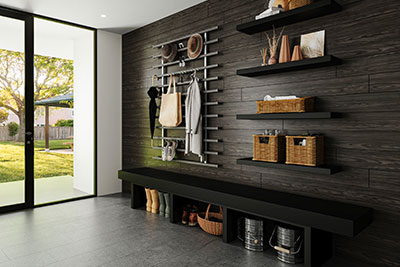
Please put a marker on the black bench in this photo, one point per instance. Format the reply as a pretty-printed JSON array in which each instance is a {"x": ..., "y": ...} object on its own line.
[{"x": 319, "y": 218}]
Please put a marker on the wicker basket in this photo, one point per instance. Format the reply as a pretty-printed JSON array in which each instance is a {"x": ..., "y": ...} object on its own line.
[
  {"x": 298, "y": 3},
  {"x": 311, "y": 154},
  {"x": 214, "y": 228},
  {"x": 302, "y": 104},
  {"x": 269, "y": 148}
]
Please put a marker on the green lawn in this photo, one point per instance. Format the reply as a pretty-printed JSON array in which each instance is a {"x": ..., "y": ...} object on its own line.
[{"x": 46, "y": 164}]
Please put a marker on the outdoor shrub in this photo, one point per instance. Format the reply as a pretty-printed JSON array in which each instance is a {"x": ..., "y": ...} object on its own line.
[
  {"x": 64, "y": 123},
  {"x": 12, "y": 128}
]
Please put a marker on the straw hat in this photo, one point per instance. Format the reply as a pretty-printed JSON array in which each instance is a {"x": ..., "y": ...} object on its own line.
[
  {"x": 194, "y": 46},
  {"x": 169, "y": 52}
]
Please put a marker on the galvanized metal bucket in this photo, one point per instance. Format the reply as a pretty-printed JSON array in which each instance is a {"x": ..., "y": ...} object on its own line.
[
  {"x": 289, "y": 243},
  {"x": 251, "y": 232}
]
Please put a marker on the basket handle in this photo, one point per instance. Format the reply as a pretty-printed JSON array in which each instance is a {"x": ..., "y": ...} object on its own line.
[{"x": 208, "y": 211}]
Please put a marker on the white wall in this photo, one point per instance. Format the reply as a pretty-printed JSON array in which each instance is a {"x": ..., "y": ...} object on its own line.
[
  {"x": 109, "y": 112},
  {"x": 84, "y": 112}
]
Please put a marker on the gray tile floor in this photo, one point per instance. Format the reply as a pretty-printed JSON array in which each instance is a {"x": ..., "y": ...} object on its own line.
[{"x": 105, "y": 231}]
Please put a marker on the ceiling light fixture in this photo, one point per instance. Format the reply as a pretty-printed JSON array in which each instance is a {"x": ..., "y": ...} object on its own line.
[{"x": 103, "y": 16}]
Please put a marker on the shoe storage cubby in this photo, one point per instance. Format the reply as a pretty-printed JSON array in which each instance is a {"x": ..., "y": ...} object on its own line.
[{"x": 318, "y": 219}]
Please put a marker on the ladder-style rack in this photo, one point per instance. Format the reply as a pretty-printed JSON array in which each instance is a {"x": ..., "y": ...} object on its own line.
[{"x": 206, "y": 53}]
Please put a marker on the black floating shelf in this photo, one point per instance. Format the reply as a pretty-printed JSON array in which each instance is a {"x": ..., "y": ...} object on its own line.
[
  {"x": 290, "y": 66},
  {"x": 323, "y": 169},
  {"x": 288, "y": 116},
  {"x": 316, "y": 9}
]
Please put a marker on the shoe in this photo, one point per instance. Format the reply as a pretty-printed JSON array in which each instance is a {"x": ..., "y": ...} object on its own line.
[
  {"x": 193, "y": 216},
  {"x": 185, "y": 214},
  {"x": 148, "y": 197},
  {"x": 167, "y": 209},
  {"x": 162, "y": 203},
  {"x": 154, "y": 198}
]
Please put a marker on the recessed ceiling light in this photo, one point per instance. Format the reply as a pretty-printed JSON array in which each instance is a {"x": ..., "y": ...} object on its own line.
[{"x": 103, "y": 15}]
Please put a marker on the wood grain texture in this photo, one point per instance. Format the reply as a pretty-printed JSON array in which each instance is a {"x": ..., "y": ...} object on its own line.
[{"x": 365, "y": 141}]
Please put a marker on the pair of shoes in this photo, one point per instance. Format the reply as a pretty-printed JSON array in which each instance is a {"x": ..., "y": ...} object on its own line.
[
  {"x": 190, "y": 215},
  {"x": 152, "y": 204}
]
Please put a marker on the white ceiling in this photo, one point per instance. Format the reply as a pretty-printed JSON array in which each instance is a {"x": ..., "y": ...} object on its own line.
[{"x": 121, "y": 15}]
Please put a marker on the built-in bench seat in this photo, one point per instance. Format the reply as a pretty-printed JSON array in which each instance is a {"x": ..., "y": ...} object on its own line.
[{"x": 319, "y": 218}]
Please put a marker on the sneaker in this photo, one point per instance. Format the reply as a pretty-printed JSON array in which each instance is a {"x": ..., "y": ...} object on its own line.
[{"x": 193, "y": 216}]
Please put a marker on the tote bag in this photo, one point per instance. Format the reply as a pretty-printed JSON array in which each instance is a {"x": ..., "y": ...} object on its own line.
[{"x": 171, "y": 107}]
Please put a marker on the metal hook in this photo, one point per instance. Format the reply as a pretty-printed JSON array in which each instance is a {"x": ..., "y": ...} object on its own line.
[{"x": 152, "y": 79}]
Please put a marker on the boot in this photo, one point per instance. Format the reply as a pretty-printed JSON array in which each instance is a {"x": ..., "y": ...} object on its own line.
[
  {"x": 193, "y": 216},
  {"x": 167, "y": 211},
  {"x": 162, "y": 203},
  {"x": 154, "y": 197},
  {"x": 149, "y": 201}
]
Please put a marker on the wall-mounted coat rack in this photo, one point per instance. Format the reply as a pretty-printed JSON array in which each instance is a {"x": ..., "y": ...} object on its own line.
[{"x": 163, "y": 76}]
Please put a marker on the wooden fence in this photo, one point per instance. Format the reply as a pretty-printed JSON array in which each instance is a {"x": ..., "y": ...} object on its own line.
[{"x": 55, "y": 133}]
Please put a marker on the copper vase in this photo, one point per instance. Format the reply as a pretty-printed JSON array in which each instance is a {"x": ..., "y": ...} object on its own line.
[
  {"x": 297, "y": 53},
  {"x": 284, "y": 55},
  {"x": 272, "y": 61}
]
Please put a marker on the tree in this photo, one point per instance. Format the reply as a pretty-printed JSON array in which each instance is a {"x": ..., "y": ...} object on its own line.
[
  {"x": 3, "y": 115},
  {"x": 53, "y": 77}
]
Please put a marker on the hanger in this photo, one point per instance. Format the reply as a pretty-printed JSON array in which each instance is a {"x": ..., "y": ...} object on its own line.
[{"x": 152, "y": 79}]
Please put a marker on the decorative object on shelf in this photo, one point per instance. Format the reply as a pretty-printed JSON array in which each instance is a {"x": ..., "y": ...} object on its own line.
[
  {"x": 169, "y": 52},
  {"x": 167, "y": 205},
  {"x": 302, "y": 104},
  {"x": 273, "y": 42},
  {"x": 284, "y": 55},
  {"x": 155, "y": 203},
  {"x": 268, "y": 147},
  {"x": 171, "y": 107},
  {"x": 289, "y": 243},
  {"x": 293, "y": 4},
  {"x": 194, "y": 46},
  {"x": 211, "y": 222},
  {"x": 153, "y": 94},
  {"x": 193, "y": 119},
  {"x": 264, "y": 55},
  {"x": 284, "y": 4},
  {"x": 305, "y": 150},
  {"x": 162, "y": 203},
  {"x": 297, "y": 53},
  {"x": 149, "y": 202},
  {"x": 313, "y": 44},
  {"x": 270, "y": 11}
]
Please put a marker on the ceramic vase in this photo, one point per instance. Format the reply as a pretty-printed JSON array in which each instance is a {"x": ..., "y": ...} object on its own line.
[
  {"x": 155, "y": 203},
  {"x": 148, "y": 198},
  {"x": 162, "y": 203},
  {"x": 167, "y": 207},
  {"x": 272, "y": 61},
  {"x": 284, "y": 55},
  {"x": 297, "y": 53}
]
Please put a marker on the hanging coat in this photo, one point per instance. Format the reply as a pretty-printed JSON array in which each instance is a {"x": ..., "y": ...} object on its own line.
[
  {"x": 153, "y": 93},
  {"x": 193, "y": 119}
]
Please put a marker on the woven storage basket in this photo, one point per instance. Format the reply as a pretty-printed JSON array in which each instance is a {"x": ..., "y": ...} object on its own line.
[
  {"x": 298, "y": 3},
  {"x": 302, "y": 104},
  {"x": 312, "y": 154},
  {"x": 269, "y": 148},
  {"x": 214, "y": 228}
]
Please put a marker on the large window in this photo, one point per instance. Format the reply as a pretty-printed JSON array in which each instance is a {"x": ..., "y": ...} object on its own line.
[{"x": 47, "y": 111}]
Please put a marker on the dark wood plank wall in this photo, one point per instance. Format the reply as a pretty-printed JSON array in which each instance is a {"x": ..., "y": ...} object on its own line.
[{"x": 366, "y": 88}]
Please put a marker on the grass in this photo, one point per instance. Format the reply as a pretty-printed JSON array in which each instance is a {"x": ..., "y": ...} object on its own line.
[{"x": 46, "y": 164}]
